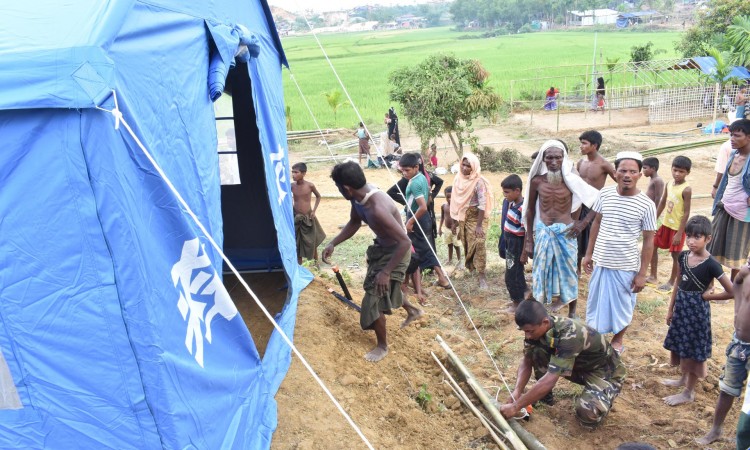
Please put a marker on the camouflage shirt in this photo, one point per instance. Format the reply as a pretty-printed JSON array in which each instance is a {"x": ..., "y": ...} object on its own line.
[{"x": 573, "y": 347}]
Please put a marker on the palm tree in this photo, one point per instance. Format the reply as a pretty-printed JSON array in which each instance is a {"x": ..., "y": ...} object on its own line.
[
  {"x": 721, "y": 76},
  {"x": 334, "y": 100},
  {"x": 738, "y": 38}
]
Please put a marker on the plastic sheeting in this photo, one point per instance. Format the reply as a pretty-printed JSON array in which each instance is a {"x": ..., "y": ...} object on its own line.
[{"x": 114, "y": 324}]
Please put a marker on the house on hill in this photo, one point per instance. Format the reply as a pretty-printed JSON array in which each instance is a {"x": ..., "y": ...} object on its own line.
[{"x": 592, "y": 17}]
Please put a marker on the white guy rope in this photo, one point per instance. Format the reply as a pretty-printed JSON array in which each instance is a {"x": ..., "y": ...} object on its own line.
[
  {"x": 460, "y": 301},
  {"x": 120, "y": 119},
  {"x": 291, "y": 75}
]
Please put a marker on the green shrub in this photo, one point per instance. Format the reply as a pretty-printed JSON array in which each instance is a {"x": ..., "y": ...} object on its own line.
[{"x": 505, "y": 160}]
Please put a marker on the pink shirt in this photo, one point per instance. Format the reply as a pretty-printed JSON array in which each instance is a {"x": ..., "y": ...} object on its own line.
[{"x": 735, "y": 197}]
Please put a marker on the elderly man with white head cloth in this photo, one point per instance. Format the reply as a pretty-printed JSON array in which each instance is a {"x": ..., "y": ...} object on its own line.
[
  {"x": 623, "y": 213},
  {"x": 555, "y": 193}
]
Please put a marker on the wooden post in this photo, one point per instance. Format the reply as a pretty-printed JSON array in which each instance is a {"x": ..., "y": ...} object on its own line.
[
  {"x": 511, "y": 96},
  {"x": 508, "y": 432}
]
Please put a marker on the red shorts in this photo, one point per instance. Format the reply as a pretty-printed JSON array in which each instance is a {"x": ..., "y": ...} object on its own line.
[{"x": 663, "y": 239}]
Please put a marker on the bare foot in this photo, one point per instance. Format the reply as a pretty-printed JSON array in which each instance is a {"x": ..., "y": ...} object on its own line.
[
  {"x": 411, "y": 316},
  {"x": 712, "y": 436},
  {"x": 652, "y": 280},
  {"x": 673, "y": 383},
  {"x": 556, "y": 305},
  {"x": 376, "y": 354},
  {"x": 678, "y": 399}
]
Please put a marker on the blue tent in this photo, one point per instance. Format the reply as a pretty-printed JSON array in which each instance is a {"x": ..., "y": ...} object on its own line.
[
  {"x": 707, "y": 65},
  {"x": 115, "y": 328}
]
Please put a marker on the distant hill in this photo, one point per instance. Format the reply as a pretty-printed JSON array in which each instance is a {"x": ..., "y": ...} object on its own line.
[{"x": 280, "y": 14}]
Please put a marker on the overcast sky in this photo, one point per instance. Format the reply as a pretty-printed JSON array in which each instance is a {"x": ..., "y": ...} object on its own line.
[{"x": 332, "y": 5}]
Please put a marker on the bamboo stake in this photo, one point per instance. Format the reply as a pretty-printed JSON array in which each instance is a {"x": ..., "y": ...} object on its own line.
[
  {"x": 508, "y": 432},
  {"x": 462, "y": 395}
]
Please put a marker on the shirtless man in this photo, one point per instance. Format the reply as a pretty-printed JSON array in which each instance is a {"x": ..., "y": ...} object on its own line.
[
  {"x": 307, "y": 229},
  {"x": 737, "y": 365},
  {"x": 594, "y": 170},
  {"x": 655, "y": 192},
  {"x": 553, "y": 241},
  {"x": 387, "y": 259}
]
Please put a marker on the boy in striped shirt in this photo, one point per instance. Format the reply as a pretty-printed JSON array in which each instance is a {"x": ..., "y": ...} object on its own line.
[{"x": 511, "y": 240}]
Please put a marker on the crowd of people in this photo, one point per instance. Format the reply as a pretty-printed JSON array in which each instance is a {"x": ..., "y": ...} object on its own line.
[{"x": 567, "y": 222}]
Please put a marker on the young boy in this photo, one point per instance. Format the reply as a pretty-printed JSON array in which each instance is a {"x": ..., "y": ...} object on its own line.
[
  {"x": 451, "y": 240},
  {"x": 511, "y": 240},
  {"x": 364, "y": 142},
  {"x": 676, "y": 201},
  {"x": 306, "y": 226},
  {"x": 654, "y": 192},
  {"x": 738, "y": 362},
  {"x": 594, "y": 169}
]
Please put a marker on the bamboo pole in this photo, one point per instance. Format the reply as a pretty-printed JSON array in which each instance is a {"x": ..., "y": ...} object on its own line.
[
  {"x": 508, "y": 432},
  {"x": 462, "y": 395}
]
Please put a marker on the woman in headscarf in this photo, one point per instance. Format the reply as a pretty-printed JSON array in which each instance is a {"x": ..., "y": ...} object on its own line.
[
  {"x": 471, "y": 204},
  {"x": 393, "y": 125}
]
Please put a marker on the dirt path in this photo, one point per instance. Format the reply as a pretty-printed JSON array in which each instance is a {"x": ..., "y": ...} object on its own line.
[{"x": 382, "y": 398}]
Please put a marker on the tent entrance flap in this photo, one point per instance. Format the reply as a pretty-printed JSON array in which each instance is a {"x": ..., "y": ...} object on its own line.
[{"x": 250, "y": 239}]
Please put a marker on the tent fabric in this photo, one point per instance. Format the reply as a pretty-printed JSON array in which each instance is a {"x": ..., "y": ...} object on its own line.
[
  {"x": 707, "y": 65},
  {"x": 114, "y": 324}
]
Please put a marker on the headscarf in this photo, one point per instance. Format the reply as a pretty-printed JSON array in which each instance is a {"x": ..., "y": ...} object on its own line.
[
  {"x": 464, "y": 187},
  {"x": 424, "y": 172},
  {"x": 583, "y": 193}
]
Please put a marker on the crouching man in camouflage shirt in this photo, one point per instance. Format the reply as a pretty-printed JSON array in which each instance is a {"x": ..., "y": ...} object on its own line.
[{"x": 560, "y": 347}]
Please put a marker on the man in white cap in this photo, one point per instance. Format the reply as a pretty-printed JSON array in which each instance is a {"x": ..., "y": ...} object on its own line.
[
  {"x": 554, "y": 193},
  {"x": 623, "y": 213}
]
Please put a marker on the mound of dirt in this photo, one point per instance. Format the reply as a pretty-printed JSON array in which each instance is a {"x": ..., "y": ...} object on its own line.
[{"x": 382, "y": 398}]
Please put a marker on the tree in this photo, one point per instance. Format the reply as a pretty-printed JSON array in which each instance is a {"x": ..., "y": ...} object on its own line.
[
  {"x": 334, "y": 98},
  {"x": 442, "y": 95},
  {"x": 738, "y": 40},
  {"x": 720, "y": 76},
  {"x": 711, "y": 25}
]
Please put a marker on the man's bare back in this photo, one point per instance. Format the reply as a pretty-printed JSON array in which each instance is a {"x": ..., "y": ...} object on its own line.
[
  {"x": 742, "y": 304},
  {"x": 302, "y": 192},
  {"x": 594, "y": 170},
  {"x": 381, "y": 215},
  {"x": 555, "y": 200}
]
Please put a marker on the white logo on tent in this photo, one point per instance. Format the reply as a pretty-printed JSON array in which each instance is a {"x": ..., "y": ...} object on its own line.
[
  {"x": 204, "y": 285},
  {"x": 277, "y": 158}
]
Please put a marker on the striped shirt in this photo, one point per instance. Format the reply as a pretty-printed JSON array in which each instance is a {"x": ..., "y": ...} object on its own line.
[
  {"x": 624, "y": 218},
  {"x": 513, "y": 224}
]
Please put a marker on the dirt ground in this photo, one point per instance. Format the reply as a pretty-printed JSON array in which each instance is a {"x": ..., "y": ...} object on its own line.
[{"x": 382, "y": 398}]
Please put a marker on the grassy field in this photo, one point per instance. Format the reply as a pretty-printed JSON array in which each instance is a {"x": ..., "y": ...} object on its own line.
[{"x": 364, "y": 61}]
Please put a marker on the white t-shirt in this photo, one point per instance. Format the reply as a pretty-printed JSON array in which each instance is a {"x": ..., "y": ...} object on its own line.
[
  {"x": 624, "y": 218},
  {"x": 722, "y": 158}
]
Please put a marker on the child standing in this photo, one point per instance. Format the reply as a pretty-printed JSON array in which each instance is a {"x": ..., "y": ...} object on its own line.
[
  {"x": 738, "y": 363},
  {"x": 675, "y": 203},
  {"x": 511, "y": 240},
  {"x": 654, "y": 192},
  {"x": 433, "y": 156},
  {"x": 689, "y": 312},
  {"x": 451, "y": 239},
  {"x": 307, "y": 229}
]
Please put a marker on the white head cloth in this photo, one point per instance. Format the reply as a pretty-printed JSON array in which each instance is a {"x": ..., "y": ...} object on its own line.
[
  {"x": 583, "y": 193},
  {"x": 629, "y": 155}
]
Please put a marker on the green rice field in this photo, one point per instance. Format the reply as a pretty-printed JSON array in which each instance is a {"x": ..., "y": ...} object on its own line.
[{"x": 364, "y": 60}]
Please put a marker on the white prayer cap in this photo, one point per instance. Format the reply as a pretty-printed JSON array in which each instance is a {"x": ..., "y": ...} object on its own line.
[{"x": 629, "y": 155}]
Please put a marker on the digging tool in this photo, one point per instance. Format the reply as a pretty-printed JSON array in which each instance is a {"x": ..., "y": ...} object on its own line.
[
  {"x": 342, "y": 283},
  {"x": 345, "y": 300}
]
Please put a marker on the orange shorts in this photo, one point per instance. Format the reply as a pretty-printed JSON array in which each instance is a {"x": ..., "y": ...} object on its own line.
[{"x": 663, "y": 239}]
